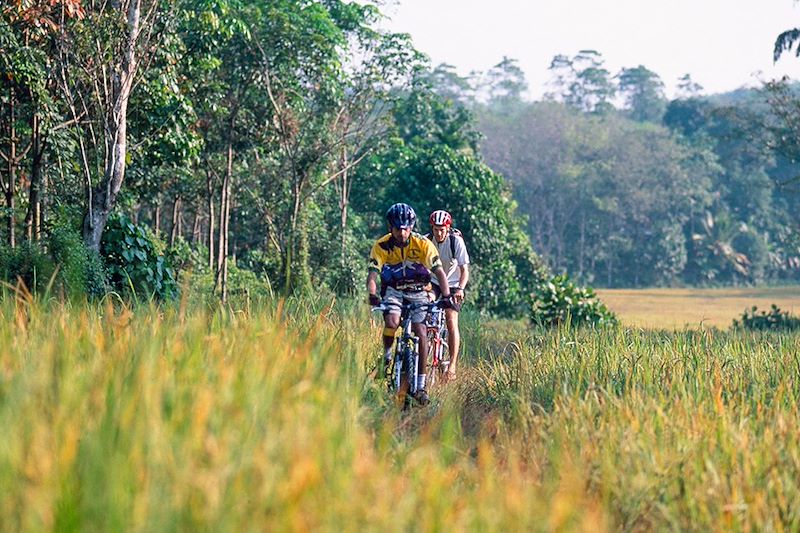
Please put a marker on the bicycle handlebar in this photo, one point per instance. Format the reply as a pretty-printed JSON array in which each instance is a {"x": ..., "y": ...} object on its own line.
[{"x": 409, "y": 307}]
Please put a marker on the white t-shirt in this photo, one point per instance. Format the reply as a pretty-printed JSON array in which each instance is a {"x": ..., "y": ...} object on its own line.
[{"x": 450, "y": 262}]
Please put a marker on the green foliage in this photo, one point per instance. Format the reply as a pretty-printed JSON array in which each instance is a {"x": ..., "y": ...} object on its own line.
[
  {"x": 81, "y": 271},
  {"x": 423, "y": 118},
  {"x": 772, "y": 320},
  {"x": 62, "y": 258},
  {"x": 28, "y": 263},
  {"x": 504, "y": 265},
  {"x": 560, "y": 301},
  {"x": 506, "y": 83},
  {"x": 430, "y": 162},
  {"x": 273, "y": 102},
  {"x": 583, "y": 82},
  {"x": 134, "y": 262},
  {"x": 244, "y": 286},
  {"x": 605, "y": 198},
  {"x": 644, "y": 93},
  {"x": 785, "y": 42}
]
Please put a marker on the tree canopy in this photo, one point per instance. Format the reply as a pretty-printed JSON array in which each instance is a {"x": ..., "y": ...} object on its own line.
[{"x": 255, "y": 146}]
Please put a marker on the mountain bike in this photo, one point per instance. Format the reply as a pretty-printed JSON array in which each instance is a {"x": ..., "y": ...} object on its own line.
[
  {"x": 438, "y": 347},
  {"x": 404, "y": 368}
]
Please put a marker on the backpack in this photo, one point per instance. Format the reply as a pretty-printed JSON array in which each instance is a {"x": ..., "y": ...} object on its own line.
[{"x": 451, "y": 236}]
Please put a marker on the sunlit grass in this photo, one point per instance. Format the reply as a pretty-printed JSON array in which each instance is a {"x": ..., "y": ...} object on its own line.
[
  {"x": 695, "y": 308},
  {"x": 266, "y": 419}
]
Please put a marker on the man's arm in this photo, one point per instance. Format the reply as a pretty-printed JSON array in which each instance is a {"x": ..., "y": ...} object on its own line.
[
  {"x": 439, "y": 273},
  {"x": 372, "y": 286},
  {"x": 462, "y": 282}
]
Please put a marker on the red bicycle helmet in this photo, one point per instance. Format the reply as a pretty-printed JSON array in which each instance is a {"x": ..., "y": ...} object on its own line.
[{"x": 441, "y": 217}]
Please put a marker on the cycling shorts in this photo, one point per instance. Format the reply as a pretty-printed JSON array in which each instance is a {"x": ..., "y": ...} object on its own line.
[
  {"x": 394, "y": 300},
  {"x": 437, "y": 291}
]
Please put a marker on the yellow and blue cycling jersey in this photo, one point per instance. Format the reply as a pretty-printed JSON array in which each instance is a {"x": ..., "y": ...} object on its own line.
[{"x": 406, "y": 267}]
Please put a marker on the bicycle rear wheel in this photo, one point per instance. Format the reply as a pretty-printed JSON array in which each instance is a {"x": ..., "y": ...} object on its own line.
[
  {"x": 435, "y": 352},
  {"x": 444, "y": 359}
]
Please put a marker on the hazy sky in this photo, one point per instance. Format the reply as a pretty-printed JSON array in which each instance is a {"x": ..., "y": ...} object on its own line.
[{"x": 723, "y": 44}]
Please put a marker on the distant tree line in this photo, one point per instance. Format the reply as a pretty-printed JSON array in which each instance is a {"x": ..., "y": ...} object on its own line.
[
  {"x": 241, "y": 146},
  {"x": 622, "y": 187}
]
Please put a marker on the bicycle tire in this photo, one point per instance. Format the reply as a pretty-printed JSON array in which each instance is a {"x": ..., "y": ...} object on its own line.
[
  {"x": 445, "y": 347},
  {"x": 402, "y": 363},
  {"x": 434, "y": 359},
  {"x": 408, "y": 363},
  {"x": 395, "y": 377}
]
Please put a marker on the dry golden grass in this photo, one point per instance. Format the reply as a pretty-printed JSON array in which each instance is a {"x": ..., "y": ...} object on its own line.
[
  {"x": 694, "y": 308},
  {"x": 265, "y": 419}
]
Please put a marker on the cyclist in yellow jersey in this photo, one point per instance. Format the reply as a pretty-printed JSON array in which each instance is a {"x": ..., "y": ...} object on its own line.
[{"x": 405, "y": 261}]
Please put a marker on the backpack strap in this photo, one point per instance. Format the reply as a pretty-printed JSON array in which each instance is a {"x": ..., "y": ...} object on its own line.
[{"x": 452, "y": 235}]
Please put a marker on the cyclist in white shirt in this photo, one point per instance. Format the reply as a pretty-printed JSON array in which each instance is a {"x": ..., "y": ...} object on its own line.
[{"x": 455, "y": 262}]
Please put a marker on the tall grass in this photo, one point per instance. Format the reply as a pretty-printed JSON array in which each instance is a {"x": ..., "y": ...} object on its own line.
[
  {"x": 267, "y": 419},
  {"x": 679, "y": 430}
]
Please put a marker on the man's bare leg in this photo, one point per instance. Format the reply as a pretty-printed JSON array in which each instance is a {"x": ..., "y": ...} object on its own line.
[{"x": 453, "y": 341}]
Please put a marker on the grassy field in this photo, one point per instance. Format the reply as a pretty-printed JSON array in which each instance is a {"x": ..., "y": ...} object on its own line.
[
  {"x": 154, "y": 419},
  {"x": 695, "y": 308}
]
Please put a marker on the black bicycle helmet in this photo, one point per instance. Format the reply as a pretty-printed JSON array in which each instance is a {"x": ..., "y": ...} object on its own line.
[{"x": 401, "y": 216}]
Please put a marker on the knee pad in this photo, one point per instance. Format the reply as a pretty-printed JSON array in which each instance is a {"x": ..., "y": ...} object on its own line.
[{"x": 389, "y": 332}]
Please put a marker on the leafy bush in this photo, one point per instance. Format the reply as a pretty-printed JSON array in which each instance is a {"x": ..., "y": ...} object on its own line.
[
  {"x": 774, "y": 320},
  {"x": 265, "y": 264},
  {"x": 61, "y": 257},
  {"x": 247, "y": 284},
  {"x": 81, "y": 271},
  {"x": 182, "y": 256},
  {"x": 134, "y": 262},
  {"x": 244, "y": 286},
  {"x": 559, "y": 300},
  {"x": 504, "y": 267},
  {"x": 27, "y": 262}
]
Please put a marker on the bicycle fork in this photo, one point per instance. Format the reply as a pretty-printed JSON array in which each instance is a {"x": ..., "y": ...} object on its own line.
[{"x": 407, "y": 362}]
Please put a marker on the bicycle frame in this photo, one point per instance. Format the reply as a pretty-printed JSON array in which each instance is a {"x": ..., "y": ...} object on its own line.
[
  {"x": 438, "y": 347},
  {"x": 406, "y": 353}
]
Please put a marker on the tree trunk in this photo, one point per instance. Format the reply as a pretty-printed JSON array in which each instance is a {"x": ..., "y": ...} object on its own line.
[
  {"x": 157, "y": 219},
  {"x": 176, "y": 221},
  {"x": 231, "y": 239},
  {"x": 196, "y": 226},
  {"x": 210, "y": 191},
  {"x": 12, "y": 242},
  {"x": 228, "y": 201},
  {"x": 103, "y": 196},
  {"x": 344, "y": 202},
  {"x": 291, "y": 244},
  {"x": 582, "y": 246},
  {"x": 33, "y": 219},
  {"x": 296, "y": 271},
  {"x": 221, "y": 279},
  {"x": 11, "y": 169}
]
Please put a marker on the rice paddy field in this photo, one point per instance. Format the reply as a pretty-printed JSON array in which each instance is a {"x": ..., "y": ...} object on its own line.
[
  {"x": 267, "y": 418},
  {"x": 695, "y": 308}
]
